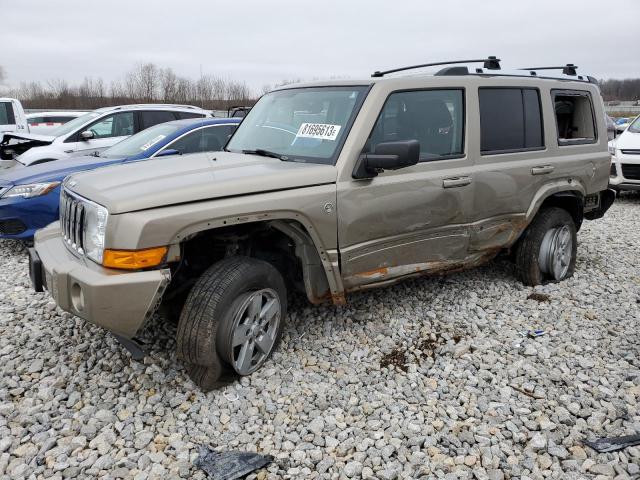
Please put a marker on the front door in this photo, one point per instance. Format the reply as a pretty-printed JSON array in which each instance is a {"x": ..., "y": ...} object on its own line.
[
  {"x": 106, "y": 131},
  {"x": 412, "y": 220}
]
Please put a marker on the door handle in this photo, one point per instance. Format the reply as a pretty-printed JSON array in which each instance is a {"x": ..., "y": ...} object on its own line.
[
  {"x": 456, "y": 182},
  {"x": 542, "y": 170}
]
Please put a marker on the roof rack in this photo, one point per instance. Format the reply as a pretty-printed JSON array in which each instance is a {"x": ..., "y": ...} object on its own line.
[
  {"x": 568, "y": 69},
  {"x": 155, "y": 105},
  {"x": 490, "y": 63}
]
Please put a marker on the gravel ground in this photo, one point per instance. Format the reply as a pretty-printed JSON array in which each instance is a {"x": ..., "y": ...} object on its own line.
[{"x": 429, "y": 378}]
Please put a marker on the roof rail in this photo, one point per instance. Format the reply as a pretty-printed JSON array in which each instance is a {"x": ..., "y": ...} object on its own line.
[
  {"x": 490, "y": 63},
  {"x": 568, "y": 69},
  {"x": 153, "y": 105}
]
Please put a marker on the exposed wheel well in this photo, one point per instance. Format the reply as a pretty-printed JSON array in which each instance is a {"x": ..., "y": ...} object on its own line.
[
  {"x": 572, "y": 202},
  {"x": 285, "y": 244}
]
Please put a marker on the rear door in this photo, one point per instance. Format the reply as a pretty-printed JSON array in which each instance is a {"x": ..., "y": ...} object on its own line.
[
  {"x": 107, "y": 131},
  {"x": 410, "y": 220},
  {"x": 7, "y": 117},
  {"x": 512, "y": 162}
]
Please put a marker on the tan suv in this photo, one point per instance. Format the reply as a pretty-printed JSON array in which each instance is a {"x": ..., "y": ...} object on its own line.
[{"x": 330, "y": 188}]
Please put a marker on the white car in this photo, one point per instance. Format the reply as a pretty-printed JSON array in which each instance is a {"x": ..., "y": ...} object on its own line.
[
  {"x": 47, "y": 122},
  {"x": 625, "y": 158},
  {"x": 90, "y": 133}
]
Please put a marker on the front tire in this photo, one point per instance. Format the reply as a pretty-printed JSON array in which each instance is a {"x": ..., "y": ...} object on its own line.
[
  {"x": 232, "y": 319},
  {"x": 547, "y": 249}
]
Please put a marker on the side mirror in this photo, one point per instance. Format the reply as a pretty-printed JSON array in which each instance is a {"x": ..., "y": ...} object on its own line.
[
  {"x": 167, "y": 152},
  {"x": 87, "y": 135},
  {"x": 387, "y": 156}
]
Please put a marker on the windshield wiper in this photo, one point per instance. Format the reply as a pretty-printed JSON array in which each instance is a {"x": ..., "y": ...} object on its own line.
[{"x": 266, "y": 153}]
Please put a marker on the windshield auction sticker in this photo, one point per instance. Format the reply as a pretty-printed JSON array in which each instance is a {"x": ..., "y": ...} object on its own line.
[
  {"x": 322, "y": 131},
  {"x": 152, "y": 142}
]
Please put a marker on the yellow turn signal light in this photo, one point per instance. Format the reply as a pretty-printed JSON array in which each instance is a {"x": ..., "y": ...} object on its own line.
[{"x": 134, "y": 259}]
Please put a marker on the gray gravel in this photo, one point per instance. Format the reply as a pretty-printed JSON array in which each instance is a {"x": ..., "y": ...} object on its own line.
[{"x": 429, "y": 378}]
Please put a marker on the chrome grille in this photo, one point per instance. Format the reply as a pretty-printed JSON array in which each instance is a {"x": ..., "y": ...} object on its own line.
[{"x": 72, "y": 221}]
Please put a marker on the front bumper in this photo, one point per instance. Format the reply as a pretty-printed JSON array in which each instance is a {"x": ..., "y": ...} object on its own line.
[
  {"x": 119, "y": 301},
  {"x": 625, "y": 172},
  {"x": 21, "y": 217}
]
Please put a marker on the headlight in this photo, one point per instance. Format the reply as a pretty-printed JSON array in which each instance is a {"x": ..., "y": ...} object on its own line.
[
  {"x": 30, "y": 190},
  {"x": 612, "y": 150},
  {"x": 95, "y": 224}
]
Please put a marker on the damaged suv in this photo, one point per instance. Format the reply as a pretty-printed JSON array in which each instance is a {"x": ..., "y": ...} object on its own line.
[{"x": 330, "y": 188}]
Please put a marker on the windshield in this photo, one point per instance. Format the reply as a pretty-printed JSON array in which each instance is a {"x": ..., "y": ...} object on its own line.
[
  {"x": 71, "y": 125},
  {"x": 301, "y": 124},
  {"x": 141, "y": 142},
  {"x": 635, "y": 126}
]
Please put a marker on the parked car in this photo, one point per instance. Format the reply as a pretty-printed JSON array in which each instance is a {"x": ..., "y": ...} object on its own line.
[
  {"x": 625, "y": 158},
  {"x": 330, "y": 188},
  {"x": 89, "y": 133},
  {"x": 12, "y": 116},
  {"x": 622, "y": 124},
  {"x": 29, "y": 197},
  {"x": 47, "y": 122}
]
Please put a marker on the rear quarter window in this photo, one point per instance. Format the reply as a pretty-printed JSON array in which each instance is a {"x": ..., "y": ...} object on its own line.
[{"x": 575, "y": 121}]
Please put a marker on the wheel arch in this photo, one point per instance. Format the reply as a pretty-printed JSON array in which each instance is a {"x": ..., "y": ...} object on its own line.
[
  {"x": 320, "y": 276},
  {"x": 566, "y": 196}
]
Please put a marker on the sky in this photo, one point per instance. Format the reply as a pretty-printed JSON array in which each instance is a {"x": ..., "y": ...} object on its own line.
[{"x": 265, "y": 42}]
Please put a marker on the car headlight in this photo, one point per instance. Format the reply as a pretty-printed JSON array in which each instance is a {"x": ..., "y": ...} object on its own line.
[
  {"x": 612, "y": 150},
  {"x": 30, "y": 190},
  {"x": 95, "y": 225}
]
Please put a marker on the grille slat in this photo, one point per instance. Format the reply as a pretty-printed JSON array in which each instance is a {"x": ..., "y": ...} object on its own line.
[
  {"x": 631, "y": 171},
  {"x": 72, "y": 221}
]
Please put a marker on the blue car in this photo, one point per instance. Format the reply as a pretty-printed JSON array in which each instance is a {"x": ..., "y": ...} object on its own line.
[{"x": 29, "y": 196}]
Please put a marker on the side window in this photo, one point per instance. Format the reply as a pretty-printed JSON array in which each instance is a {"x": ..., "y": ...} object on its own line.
[
  {"x": 151, "y": 118},
  {"x": 510, "y": 120},
  {"x": 6, "y": 114},
  {"x": 116, "y": 125},
  {"x": 574, "y": 117},
  {"x": 210, "y": 139},
  {"x": 30, "y": 121},
  {"x": 184, "y": 115},
  {"x": 435, "y": 118}
]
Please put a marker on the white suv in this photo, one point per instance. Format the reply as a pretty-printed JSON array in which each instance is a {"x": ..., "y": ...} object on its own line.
[
  {"x": 89, "y": 133},
  {"x": 625, "y": 158}
]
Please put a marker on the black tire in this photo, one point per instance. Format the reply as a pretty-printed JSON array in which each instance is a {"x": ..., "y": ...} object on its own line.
[
  {"x": 208, "y": 314},
  {"x": 528, "y": 248}
]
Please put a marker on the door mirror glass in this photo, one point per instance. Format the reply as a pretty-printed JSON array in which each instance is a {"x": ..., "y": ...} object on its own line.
[
  {"x": 387, "y": 156},
  {"x": 87, "y": 135}
]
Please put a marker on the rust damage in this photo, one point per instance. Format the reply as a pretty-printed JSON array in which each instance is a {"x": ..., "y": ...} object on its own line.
[{"x": 388, "y": 275}]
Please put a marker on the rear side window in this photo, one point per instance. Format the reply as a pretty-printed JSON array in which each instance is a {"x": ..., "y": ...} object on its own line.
[
  {"x": 185, "y": 115},
  {"x": 151, "y": 118},
  {"x": 435, "y": 118},
  {"x": 510, "y": 120},
  {"x": 574, "y": 117},
  {"x": 6, "y": 114}
]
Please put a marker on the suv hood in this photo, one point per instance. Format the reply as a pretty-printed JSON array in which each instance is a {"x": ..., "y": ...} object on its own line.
[
  {"x": 627, "y": 140},
  {"x": 200, "y": 176}
]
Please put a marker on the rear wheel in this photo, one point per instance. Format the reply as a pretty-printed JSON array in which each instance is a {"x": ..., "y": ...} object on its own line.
[
  {"x": 548, "y": 247},
  {"x": 231, "y": 320}
]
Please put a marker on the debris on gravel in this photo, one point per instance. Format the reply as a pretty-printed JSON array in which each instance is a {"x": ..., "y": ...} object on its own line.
[{"x": 427, "y": 379}]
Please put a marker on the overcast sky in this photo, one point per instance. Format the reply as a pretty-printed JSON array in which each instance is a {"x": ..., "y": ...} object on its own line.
[{"x": 263, "y": 42}]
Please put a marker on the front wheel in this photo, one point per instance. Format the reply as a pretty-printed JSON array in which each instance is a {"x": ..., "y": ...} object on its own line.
[
  {"x": 548, "y": 247},
  {"x": 232, "y": 319}
]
